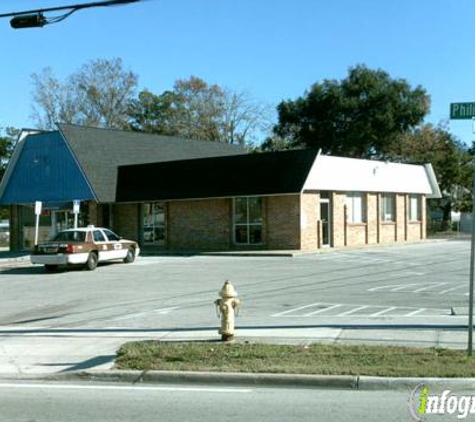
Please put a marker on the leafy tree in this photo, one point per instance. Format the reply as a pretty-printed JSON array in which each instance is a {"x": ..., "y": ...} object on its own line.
[
  {"x": 450, "y": 159},
  {"x": 195, "y": 109},
  {"x": 97, "y": 95},
  {"x": 7, "y": 142},
  {"x": 359, "y": 116},
  {"x": 153, "y": 113}
]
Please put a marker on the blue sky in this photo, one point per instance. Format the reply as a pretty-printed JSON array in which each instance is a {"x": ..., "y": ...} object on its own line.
[{"x": 272, "y": 49}]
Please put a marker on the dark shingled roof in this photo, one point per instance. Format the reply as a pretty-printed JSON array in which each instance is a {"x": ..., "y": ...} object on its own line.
[
  {"x": 99, "y": 152},
  {"x": 282, "y": 172}
]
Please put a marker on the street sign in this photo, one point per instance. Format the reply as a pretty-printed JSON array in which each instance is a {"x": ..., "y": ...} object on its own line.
[
  {"x": 38, "y": 205},
  {"x": 459, "y": 111},
  {"x": 76, "y": 205}
]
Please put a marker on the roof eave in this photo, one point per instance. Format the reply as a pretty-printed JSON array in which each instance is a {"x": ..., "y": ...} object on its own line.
[{"x": 24, "y": 133}]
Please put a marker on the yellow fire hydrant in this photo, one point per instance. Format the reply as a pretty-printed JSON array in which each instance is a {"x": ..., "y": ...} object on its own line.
[{"x": 227, "y": 306}]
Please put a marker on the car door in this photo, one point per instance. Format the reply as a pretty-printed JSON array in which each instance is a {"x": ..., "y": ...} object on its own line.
[
  {"x": 117, "y": 248},
  {"x": 101, "y": 242}
]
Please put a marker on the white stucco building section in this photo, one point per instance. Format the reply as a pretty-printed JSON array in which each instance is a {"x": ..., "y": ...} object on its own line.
[{"x": 350, "y": 174}]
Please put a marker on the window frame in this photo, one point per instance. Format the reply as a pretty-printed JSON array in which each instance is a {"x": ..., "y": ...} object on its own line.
[
  {"x": 101, "y": 234},
  {"x": 248, "y": 224},
  {"x": 350, "y": 207},
  {"x": 383, "y": 212},
  {"x": 154, "y": 224},
  {"x": 410, "y": 210}
]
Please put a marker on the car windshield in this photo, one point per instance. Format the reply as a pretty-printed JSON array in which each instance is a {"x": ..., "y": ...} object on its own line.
[{"x": 71, "y": 236}]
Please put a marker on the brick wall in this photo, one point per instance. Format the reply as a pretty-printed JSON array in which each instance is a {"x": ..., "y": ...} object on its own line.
[
  {"x": 356, "y": 234},
  {"x": 309, "y": 221},
  {"x": 93, "y": 217},
  {"x": 401, "y": 217},
  {"x": 374, "y": 231},
  {"x": 200, "y": 225},
  {"x": 126, "y": 220},
  {"x": 387, "y": 232},
  {"x": 414, "y": 230},
  {"x": 338, "y": 219},
  {"x": 15, "y": 243},
  {"x": 290, "y": 222},
  {"x": 372, "y": 217},
  {"x": 424, "y": 217},
  {"x": 283, "y": 222}
]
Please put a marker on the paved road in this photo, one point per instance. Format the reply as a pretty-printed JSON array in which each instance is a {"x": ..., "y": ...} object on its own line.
[
  {"x": 142, "y": 403},
  {"x": 58, "y": 321}
]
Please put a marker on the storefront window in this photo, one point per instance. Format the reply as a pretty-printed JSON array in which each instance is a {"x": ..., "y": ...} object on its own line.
[
  {"x": 248, "y": 220},
  {"x": 153, "y": 223}
]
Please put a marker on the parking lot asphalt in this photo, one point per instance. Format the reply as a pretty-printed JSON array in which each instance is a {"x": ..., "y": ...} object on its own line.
[{"x": 77, "y": 319}]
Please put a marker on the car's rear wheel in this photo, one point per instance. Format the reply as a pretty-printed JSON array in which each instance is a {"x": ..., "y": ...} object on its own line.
[
  {"x": 91, "y": 263},
  {"x": 130, "y": 257},
  {"x": 51, "y": 268}
]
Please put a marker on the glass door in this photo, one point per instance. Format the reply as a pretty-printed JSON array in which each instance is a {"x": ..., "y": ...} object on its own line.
[
  {"x": 153, "y": 224},
  {"x": 325, "y": 221}
]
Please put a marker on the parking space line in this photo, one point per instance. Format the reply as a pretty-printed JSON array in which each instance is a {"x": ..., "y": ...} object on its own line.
[
  {"x": 428, "y": 287},
  {"x": 450, "y": 290},
  {"x": 384, "y": 311},
  {"x": 352, "y": 311},
  {"x": 326, "y": 309},
  {"x": 375, "y": 289},
  {"x": 322, "y": 310},
  {"x": 296, "y": 309},
  {"x": 397, "y": 289},
  {"x": 418, "y": 311}
]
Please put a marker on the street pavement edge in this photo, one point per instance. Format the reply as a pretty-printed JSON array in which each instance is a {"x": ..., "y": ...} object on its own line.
[{"x": 353, "y": 382}]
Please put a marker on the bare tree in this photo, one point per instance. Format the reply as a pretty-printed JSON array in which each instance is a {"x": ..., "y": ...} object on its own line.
[
  {"x": 196, "y": 109},
  {"x": 53, "y": 101},
  {"x": 243, "y": 119},
  {"x": 97, "y": 95}
]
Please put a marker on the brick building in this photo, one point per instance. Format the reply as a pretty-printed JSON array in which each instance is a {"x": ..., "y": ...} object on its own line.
[{"x": 185, "y": 195}]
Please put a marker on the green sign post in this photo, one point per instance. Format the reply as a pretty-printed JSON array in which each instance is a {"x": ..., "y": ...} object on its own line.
[
  {"x": 462, "y": 111},
  {"x": 466, "y": 111}
]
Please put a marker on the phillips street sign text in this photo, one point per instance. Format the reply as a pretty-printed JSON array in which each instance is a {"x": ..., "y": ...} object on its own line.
[{"x": 462, "y": 110}]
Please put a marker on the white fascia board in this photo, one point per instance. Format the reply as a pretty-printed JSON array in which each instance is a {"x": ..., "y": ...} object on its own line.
[
  {"x": 351, "y": 174},
  {"x": 435, "y": 194}
]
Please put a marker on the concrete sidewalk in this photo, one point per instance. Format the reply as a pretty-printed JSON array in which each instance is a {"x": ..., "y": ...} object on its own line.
[
  {"x": 7, "y": 257},
  {"x": 47, "y": 351}
]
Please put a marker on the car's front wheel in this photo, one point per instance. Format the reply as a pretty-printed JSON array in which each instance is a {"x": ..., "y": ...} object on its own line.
[
  {"x": 130, "y": 257},
  {"x": 91, "y": 263},
  {"x": 51, "y": 268}
]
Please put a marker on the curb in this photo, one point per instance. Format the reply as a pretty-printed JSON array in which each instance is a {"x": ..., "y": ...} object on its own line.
[
  {"x": 215, "y": 378},
  {"x": 390, "y": 383},
  {"x": 346, "y": 382}
]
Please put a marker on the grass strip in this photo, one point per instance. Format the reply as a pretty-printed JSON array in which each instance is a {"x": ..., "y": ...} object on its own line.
[{"x": 312, "y": 359}]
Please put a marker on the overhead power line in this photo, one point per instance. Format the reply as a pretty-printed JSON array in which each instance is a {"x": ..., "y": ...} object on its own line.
[{"x": 36, "y": 19}]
